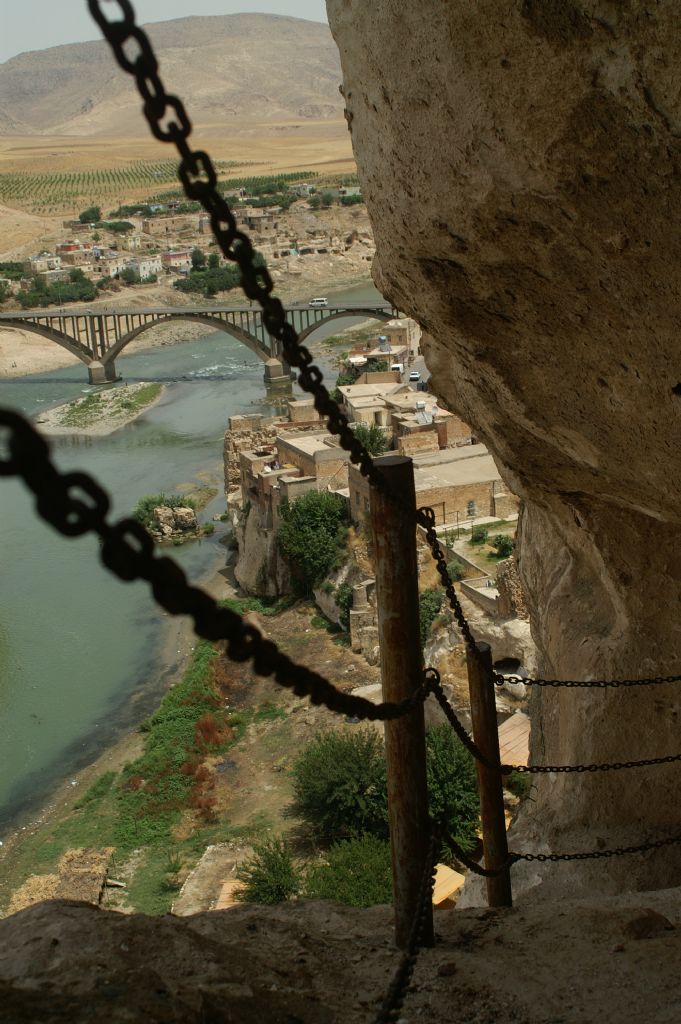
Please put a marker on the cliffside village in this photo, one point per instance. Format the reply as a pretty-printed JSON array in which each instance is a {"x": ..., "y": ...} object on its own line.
[
  {"x": 271, "y": 460},
  {"x": 162, "y": 243}
]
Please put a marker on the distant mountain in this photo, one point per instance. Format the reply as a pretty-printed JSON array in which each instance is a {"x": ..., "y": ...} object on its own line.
[{"x": 259, "y": 67}]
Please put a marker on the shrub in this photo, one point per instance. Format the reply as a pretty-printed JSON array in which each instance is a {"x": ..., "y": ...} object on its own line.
[
  {"x": 429, "y": 606},
  {"x": 456, "y": 570},
  {"x": 91, "y": 215},
  {"x": 144, "y": 509},
  {"x": 208, "y": 529},
  {"x": 339, "y": 785},
  {"x": 479, "y": 534},
  {"x": 452, "y": 786},
  {"x": 343, "y": 599},
  {"x": 312, "y": 537},
  {"x": 356, "y": 872},
  {"x": 518, "y": 783},
  {"x": 372, "y": 437},
  {"x": 270, "y": 876},
  {"x": 503, "y": 545}
]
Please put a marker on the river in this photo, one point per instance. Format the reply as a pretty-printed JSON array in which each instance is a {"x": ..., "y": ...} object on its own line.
[{"x": 79, "y": 650}]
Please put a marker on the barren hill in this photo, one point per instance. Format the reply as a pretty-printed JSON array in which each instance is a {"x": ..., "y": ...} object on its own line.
[{"x": 237, "y": 67}]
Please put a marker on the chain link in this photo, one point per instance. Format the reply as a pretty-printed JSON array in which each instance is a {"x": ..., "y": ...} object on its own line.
[
  {"x": 618, "y": 851},
  {"x": 395, "y": 996},
  {"x": 599, "y": 684}
]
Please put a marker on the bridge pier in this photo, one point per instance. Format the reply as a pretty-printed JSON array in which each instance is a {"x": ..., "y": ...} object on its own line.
[
  {"x": 101, "y": 372},
  {"x": 277, "y": 374}
]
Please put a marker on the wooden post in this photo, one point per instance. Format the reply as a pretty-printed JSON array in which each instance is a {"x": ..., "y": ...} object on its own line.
[
  {"x": 394, "y": 542},
  {"x": 486, "y": 736}
]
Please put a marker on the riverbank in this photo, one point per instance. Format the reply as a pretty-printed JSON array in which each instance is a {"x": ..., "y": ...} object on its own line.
[
  {"x": 100, "y": 412},
  {"x": 28, "y": 847}
]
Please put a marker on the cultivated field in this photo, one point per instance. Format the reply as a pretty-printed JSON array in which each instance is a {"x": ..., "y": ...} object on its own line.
[{"x": 52, "y": 176}]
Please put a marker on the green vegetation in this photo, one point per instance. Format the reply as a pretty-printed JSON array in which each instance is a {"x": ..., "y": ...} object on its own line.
[
  {"x": 12, "y": 270},
  {"x": 430, "y": 602},
  {"x": 210, "y": 282},
  {"x": 452, "y": 787},
  {"x": 372, "y": 437},
  {"x": 129, "y": 276},
  {"x": 479, "y": 535},
  {"x": 261, "y": 605},
  {"x": 339, "y": 785},
  {"x": 456, "y": 570},
  {"x": 351, "y": 200},
  {"x": 91, "y": 215},
  {"x": 270, "y": 875},
  {"x": 119, "y": 227},
  {"x": 77, "y": 289},
  {"x": 343, "y": 599},
  {"x": 356, "y": 872},
  {"x": 503, "y": 545},
  {"x": 143, "y": 511},
  {"x": 84, "y": 412},
  {"x": 99, "y": 788},
  {"x": 312, "y": 537},
  {"x": 518, "y": 783},
  {"x": 198, "y": 259}
]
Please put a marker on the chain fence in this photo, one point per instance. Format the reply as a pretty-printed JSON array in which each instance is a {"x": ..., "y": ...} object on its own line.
[{"x": 74, "y": 504}]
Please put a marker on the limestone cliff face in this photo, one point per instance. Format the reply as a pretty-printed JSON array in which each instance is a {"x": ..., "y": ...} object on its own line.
[
  {"x": 520, "y": 161},
  {"x": 259, "y": 569}
]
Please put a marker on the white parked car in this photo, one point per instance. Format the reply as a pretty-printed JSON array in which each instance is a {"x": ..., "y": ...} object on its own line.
[{"x": 414, "y": 375}]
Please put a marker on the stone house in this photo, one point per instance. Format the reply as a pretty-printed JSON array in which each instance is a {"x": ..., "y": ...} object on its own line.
[
  {"x": 459, "y": 484},
  {"x": 165, "y": 226},
  {"x": 145, "y": 266}
]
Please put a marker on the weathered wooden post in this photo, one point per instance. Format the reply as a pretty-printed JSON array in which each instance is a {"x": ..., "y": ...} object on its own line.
[
  {"x": 394, "y": 541},
  {"x": 486, "y": 736}
]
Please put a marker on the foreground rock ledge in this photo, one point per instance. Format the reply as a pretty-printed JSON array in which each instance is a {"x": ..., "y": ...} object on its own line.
[
  {"x": 321, "y": 964},
  {"x": 520, "y": 162}
]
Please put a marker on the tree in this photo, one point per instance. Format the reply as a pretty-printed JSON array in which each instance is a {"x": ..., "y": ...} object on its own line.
[
  {"x": 312, "y": 537},
  {"x": 343, "y": 599},
  {"x": 372, "y": 437},
  {"x": 76, "y": 274},
  {"x": 130, "y": 276},
  {"x": 198, "y": 260},
  {"x": 92, "y": 215},
  {"x": 452, "y": 786},
  {"x": 213, "y": 261},
  {"x": 96, "y": 236},
  {"x": 327, "y": 198},
  {"x": 315, "y": 201},
  {"x": 503, "y": 545},
  {"x": 456, "y": 570},
  {"x": 339, "y": 785},
  {"x": 430, "y": 602},
  {"x": 479, "y": 534},
  {"x": 270, "y": 876},
  {"x": 356, "y": 872}
]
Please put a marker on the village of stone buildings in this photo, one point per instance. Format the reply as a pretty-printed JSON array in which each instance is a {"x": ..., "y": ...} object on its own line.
[
  {"x": 268, "y": 461},
  {"x": 164, "y": 243}
]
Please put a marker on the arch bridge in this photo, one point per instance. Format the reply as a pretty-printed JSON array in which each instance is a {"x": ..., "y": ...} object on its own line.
[{"x": 98, "y": 336}]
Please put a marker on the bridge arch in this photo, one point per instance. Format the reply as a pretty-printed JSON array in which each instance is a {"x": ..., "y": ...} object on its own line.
[
  {"x": 364, "y": 314},
  {"x": 249, "y": 340},
  {"x": 70, "y": 344}
]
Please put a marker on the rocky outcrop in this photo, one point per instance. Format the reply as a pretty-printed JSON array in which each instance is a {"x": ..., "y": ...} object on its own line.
[
  {"x": 171, "y": 523},
  {"x": 520, "y": 162},
  {"x": 260, "y": 568}
]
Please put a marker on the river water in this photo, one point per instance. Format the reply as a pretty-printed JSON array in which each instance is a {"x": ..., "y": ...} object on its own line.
[{"x": 79, "y": 650}]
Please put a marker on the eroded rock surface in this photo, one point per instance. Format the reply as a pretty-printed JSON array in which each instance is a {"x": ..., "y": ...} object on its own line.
[
  {"x": 520, "y": 162},
  {"x": 323, "y": 964}
]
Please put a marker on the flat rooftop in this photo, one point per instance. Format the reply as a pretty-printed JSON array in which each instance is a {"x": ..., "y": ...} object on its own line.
[
  {"x": 458, "y": 472},
  {"x": 309, "y": 443},
  {"x": 354, "y": 391},
  {"x": 447, "y": 455}
]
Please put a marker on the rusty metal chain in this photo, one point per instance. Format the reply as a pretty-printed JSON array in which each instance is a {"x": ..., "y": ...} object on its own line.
[
  {"x": 598, "y": 684},
  {"x": 618, "y": 851},
  {"x": 169, "y": 122},
  {"x": 395, "y": 996}
]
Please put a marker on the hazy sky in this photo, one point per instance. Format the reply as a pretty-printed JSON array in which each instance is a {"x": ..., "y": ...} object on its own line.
[{"x": 37, "y": 24}]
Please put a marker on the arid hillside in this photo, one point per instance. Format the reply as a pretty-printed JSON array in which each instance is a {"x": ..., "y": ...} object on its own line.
[{"x": 236, "y": 67}]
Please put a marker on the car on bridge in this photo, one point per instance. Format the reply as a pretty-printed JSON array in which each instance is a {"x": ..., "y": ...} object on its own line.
[{"x": 320, "y": 301}]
